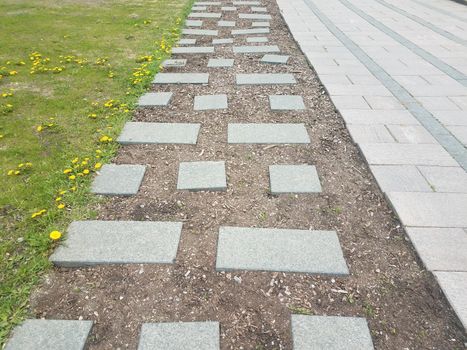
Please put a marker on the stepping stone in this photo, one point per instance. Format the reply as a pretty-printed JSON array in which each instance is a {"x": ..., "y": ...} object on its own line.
[
  {"x": 202, "y": 176},
  {"x": 187, "y": 42},
  {"x": 253, "y": 16},
  {"x": 453, "y": 285},
  {"x": 267, "y": 133},
  {"x": 256, "y": 49},
  {"x": 222, "y": 41},
  {"x": 247, "y": 3},
  {"x": 220, "y": 62},
  {"x": 193, "y": 23},
  {"x": 264, "y": 78},
  {"x": 193, "y": 49},
  {"x": 181, "y": 62},
  {"x": 118, "y": 180},
  {"x": 180, "y": 335},
  {"x": 226, "y": 23},
  {"x": 260, "y": 24},
  {"x": 275, "y": 59},
  {"x": 228, "y": 8},
  {"x": 259, "y": 9},
  {"x": 159, "y": 133},
  {"x": 118, "y": 242},
  {"x": 203, "y": 32},
  {"x": 205, "y": 15},
  {"x": 50, "y": 334},
  {"x": 155, "y": 99},
  {"x": 207, "y": 102},
  {"x": 181, "y": 78},
  {"x": 330, "y": 332},
  {"x": 199, "y": 8},
  {"x": 285, "y": 250},
  {"x": 294, "y": 179},
  {"x": 257, "y": 39},
  {"x": 250, "y": 31},
  {"x": 207, "y": 3},
  {"x": 286, "y": 103}
]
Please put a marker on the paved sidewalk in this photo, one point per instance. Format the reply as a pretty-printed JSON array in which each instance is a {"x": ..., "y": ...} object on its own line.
[{"x": 397, "y": 72}]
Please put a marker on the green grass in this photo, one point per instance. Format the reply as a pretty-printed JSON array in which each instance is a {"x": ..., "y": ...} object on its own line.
[{"x": 89, "y": 51}]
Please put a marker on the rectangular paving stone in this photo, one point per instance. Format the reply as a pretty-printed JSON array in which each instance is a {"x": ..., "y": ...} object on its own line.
[
  {"x": 445, "y": 179},
  {"x": 267, "y": 133},
  {"x": 35, "y": 334},
  {"x": 193, "y": 23},
  {"x": 202, "y": 176},
  {"x": 454, "y": 285},
  {"x": 155, "y": 99},
  {"x": 302, "y": 178},
  {"x": 207, "y": 3},
  {"x": 187, "y": 42},
  {"x": 256, "y": 49},
  {"x": 193, "y": 49},
  {"x": 254, "y": 16},
  {"x": 118, "y": 180},
  {"x": 286, "y": 250},
  {"x": 400, "y": 178},
  {"x": 330, "y": 332},
  {"x": 260, "y": 24},
  {"x": 372, "y": 117},
  {"x": 179, "y": 62},
  {"x": 159, "y": 133},
  {"x": 257, "y": 39},
  {"x": 118, "y": 242},
  {"x": 259, "y": 9},
  {"x": 202, "y": 32},
  {"x": 246, "y": 3},
  {"x": 228, "y": 8},
  {"x": 180, "y": 335},
  {"x": 207, "y": 102},
  {"x": 226, "y": 23},
  {"x": 181, "y": 78},
  {"x": 286, "y": 102},
  {"x": 275, "y": 59},
  {"x": 199, "y": 8},
  {"x": 250, "y": 31},
  {"x": 220, "y": 62},
  {"x": 265, "y": 79},
  {"x": 205, "y": 15},
  {"x": 222, "y": 41},
  {"x": 370, "y": 134}
]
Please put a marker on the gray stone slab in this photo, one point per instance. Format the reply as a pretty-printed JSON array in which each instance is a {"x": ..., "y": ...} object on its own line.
[
  {"x": 118, "y": 180},
  {"x": 370, "y": 134},
  {"x": 294, "y": 179},
  {"x": 181, "y": 78},
  {"x": 286, "y": 102},
  {"x": 155, "y": 99},
  {"x": 330, "y": 332},
  {"x": 50, "y": 335},
  {"x": 265, "y": 79},
  {"x": 275, "y": 59},
  {"x": 424, "y": 209},
  {"x": 287, "y": 250},
  {"x": 400, "y": 178},
  {"x": 220, "y": 62},
  {"x": 372, "y": 117},
  {"x": 246, "y": 3},
  {"x": 254, "y": 16},
  {"x": 202, "y": 32},
  {"x": 259, "y": 9},
  {"x": 257, "y": 39},
  {"x": 187, "y": 42},
  {"x": 202, "y": 176},
  {"x": 228, "y": 8},
  {"x": 180, "y": 62},
  {"x": 207, "y": 3},
  {"x": 256, "y": 49},
  {"x": 226, "y": 23},
  {"x": 205, "y": 15},
  {"x": 199, "y": 8},
  {"x": 445, "y": 179},
  {"x": 222, "y": 41},
  {"x": 118, "y": 242},
  {"x": 193, "y": 23},
  {"x": 441, "y": 249},
  {"x": 454, "y": 285},
  {"x": 260, "y": 24},
  {"x": 250, "y": 31},
  {"x": 180, "y": 335},
  {"x": 268, "y": 133},
  {"x": 207, "y": 102},
  {"x": 159, "y": 133}
]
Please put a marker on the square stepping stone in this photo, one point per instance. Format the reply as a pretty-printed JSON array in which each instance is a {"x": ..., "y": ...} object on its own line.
[
  {"x": 256, "y": 49},
  {"x": 202, "y": 176},
  {"x": 220, "y": 62},
  {"x": 257, "y": 39},
  {"x": 250, "y": 31},
  {"x": 181, "y": 78},
  {"x": 286, "y": 103},
  {"x": 50, "y": 335},
  {"x": 275, "y": 59},
  {"x": 247, "y": 3},
  {"x": 180, "y": 62},
  {"x": 265, "y": 79},
  {"x": 180, "y": 335},
  {"x": 285, "y": 250},
  {"x": 187, "y": 42},
  {"x": 193, "y": 49},
  {"x": 118, "y": 180},
  {"x": 228, "y": 8},
  {"x": 118, "y": 242},
  {"x": 222, "y": 41},
  {"x": 267, "y": 133},
  {"x": 206, "y": 102},
  {"x": 205, "y": 15},
  {"x": 202, "y": 32},
  {"x": 330, "y": 332},
  {"x": 259, "y": 9},
  {"x": 260, "y": 24},
  {"x": 226, "y": 23},
  {"x": 294, "y": 179},
  {"x": 193, "y": 23},
  {"x": 254, "y": 16},
  {"x": 159, "y": 133},
  {"x": 155, "y": 99}
]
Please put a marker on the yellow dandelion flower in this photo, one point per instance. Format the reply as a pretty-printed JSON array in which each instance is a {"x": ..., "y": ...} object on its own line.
[
  {"x": 86, "y": 171},
  {"x": 98, "y": 166},
  {"x": 72, "y": 177},
  {"x": 58, "y": 199},
  {"x": 67, "y": 171},
  {"x": 73, "y": 189},
  {"x": 39, "y": 128},
  {"x": 61, "y": 206},
  {"x": 55, "y": 235},
  {"x": 11, "y": 172}
]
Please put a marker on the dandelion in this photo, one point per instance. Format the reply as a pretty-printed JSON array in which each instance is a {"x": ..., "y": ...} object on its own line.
[
  {"x": 61, "y": 206},
  {"x": 13, "y": 72},
  {"x": 67, "y": 171},
  {"x": 86, "y": 171},
  {"x": 97, "y": 166},
  {"x": 55, "y": 235},
  {"x": 73, "y": 189},
  {"x": 72, "y": 177},
  {"x": 58, "y": 199}
]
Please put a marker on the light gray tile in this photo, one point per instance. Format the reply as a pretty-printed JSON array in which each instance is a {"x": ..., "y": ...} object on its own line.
[
  {"x": 257, "y": 39},
  {"x": 370, "y": 133},
  {"x": 254, "y": 16},
  {"x": 400, "y": 178},
  {"x": 193, "y": 23},
  {"x": 226, "y": 23},
  {"x": 174, "y": 63},
  {"x": 445, "y": 179},
  {"x": 275, "y": 59},
  {"x": 250, "y": 31},
  {"x": 155, "y": 99},
  {"x": 286, "y": 102},
  {"x": 222, "y": 41},
  {"x": 118, "y": 180},
  {"x": 202, "y": 176},
  {"x": 294, "y": 179},
  {"x": 454, "y": 285},
  {"x": 205, "y": 15}
]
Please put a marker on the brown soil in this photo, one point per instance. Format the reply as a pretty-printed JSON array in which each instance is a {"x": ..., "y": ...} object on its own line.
[{"x": 404, "y": 306}]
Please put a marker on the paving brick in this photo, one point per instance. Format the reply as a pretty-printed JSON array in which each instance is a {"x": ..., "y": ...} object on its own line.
[
  {"x": 118, "y": 180},
  {"x": 220, "y": 62},
  {"x": 424, "y": 209},
  {"x": 256, "y": 49},
  {"x": 400, "y": 178},
  {"x": 286, "y": 102},
  {"x": 287, "y": 250},
  {"x": 265, "y": 79},
  {"x": 181, "y": 78},
  {"x": 451, "y": 117},
  {"x": 294, "y": 179},
  {"x": 349, "y": 102},
  {"x": 411, "y": 134},
  {"x": 202, "y": 32},
  {"x": 260, "y": 24},
  {"x": 187, "y": 42},
  {"x": 372, "y": 117},
  {"x": 226, "y": 23},
  {"x": 159, "y": 133},
  {"x": 206, "y": 102},
  {"x": 257, "y": 39},
  {"x": 383, "y": 102},
  {"x": 438, "y": 103},
  {"x": 222, "y": 41},
  {"x": 199, "y": 8},
  {"x": 259, "y": 9},
  {"x": 275, "y": 59},
  {"x": 228, "y": 8},
  {"x": 193, "y": 23},
  {"x": 50, "y": 335},
  {"x": 155, "y": 99},
  {"x": 441, "y": 249},
  {"x": 267, "y": 133},
  {"x": 180, "y": 62},
  {"x": 202, "y": 176},
  {"x": 459, "y": 132},
  {"x": 454, "y": 285},
  {"x": 254, "y": 16},
  {"x": 180, "y": 335},
  {"x": 445, "y": 179},
  {"x": 118, "y": 242},
  {"x": 250, "y": 31},
  {"x": 208, "y": 3},
  {"x": 370, "y": 134},
  {"x": 330, "y": 332},
  {"x": 205, "y": 15}
]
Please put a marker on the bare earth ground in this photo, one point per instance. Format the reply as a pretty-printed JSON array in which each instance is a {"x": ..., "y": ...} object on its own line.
[{"x": 401, "y": 301}]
